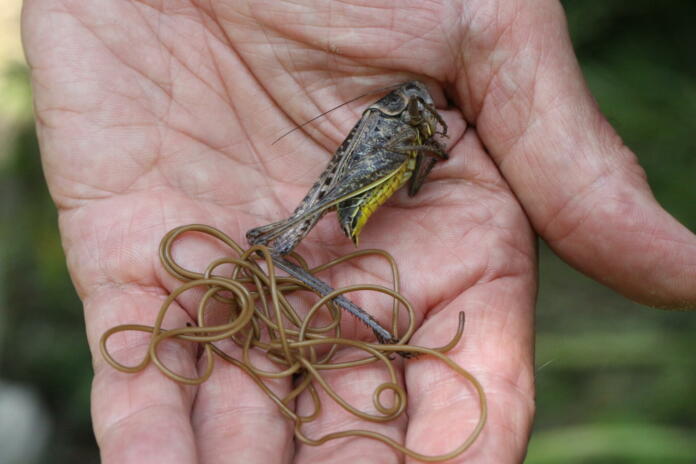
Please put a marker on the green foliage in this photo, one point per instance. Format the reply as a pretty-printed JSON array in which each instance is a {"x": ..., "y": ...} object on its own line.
[
  {"x": 42, "y": 337},
  {"x": 632, "y": 443}
]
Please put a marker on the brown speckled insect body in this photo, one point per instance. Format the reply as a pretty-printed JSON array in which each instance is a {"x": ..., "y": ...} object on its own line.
[{"x": 393, "y": 143}]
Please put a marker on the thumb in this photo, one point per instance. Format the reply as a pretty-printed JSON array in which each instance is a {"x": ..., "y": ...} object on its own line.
[{"x": 581, "y": 187}]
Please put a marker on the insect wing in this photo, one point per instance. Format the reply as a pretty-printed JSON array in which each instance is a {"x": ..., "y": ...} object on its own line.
[
  {"x": 290, "y": 231},
  {"x": 355, "y": 183}
]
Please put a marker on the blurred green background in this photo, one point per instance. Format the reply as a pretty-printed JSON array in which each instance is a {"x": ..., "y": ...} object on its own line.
[{"x": 616, "y": 380}]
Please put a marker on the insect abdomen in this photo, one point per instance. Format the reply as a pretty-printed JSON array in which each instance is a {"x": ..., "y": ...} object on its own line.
[{"x": 373, "y": 199}]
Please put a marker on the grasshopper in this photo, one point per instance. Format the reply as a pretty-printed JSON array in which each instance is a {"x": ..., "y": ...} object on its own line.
[{"x": 393, "y": 143}]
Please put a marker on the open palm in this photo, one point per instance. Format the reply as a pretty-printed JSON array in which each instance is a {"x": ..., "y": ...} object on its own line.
[{"x": 157, "y": 114}]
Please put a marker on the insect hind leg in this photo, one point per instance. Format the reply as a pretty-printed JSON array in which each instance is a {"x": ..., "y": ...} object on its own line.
[
  {"x": 291, "y": 237},
  {"x": 263, "y": 235}
]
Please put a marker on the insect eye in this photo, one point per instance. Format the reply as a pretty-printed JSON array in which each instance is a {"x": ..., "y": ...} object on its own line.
[{"x": 413, "y": 113}]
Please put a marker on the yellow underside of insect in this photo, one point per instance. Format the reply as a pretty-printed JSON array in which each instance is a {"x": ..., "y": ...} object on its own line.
[{"x": 378, "y": 195}]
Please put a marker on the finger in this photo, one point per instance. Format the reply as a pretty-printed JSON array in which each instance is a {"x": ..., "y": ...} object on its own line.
[
  {"x": 142, "y": 417},
  {"x": 235, "y": 421},
  {"x": 497, "y": 346},
  {"x": 356, "y": 386},
  {"x": 581, "y": 187},
  {"x": 444, "y": 408}
]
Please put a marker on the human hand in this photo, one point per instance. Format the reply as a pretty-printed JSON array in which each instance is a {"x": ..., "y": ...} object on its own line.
[{"x": 152, "y": 118}]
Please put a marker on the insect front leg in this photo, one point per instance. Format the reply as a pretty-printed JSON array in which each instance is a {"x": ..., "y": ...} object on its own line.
[
  {"x": 423, "y": 167},
  {"x": 430, "y": 146},
  {"x": 421, "y": 112},
  {"x": 439, "y": 119},
  {"x": 427, "y": 155}
]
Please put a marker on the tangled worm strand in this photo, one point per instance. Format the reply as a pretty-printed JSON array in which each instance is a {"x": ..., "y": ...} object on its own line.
[{"x": 262, "y": 319}]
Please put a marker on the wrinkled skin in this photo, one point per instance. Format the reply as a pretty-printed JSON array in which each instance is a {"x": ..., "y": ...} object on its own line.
[{"x": 156, "y": 114}]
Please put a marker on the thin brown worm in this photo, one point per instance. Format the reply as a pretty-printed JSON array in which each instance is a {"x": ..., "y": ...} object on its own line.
[{"x": 261, "y": 319}]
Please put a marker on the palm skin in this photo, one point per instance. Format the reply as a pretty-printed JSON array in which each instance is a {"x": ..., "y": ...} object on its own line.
[{"x": 152, "y": 115}]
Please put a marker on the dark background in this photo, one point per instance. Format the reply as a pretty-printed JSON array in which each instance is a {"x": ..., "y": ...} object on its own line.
[{"x": 616, "y": 380}]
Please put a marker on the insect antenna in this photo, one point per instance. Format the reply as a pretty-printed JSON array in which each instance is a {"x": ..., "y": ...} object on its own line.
[{"x": 372, "y": 92}]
